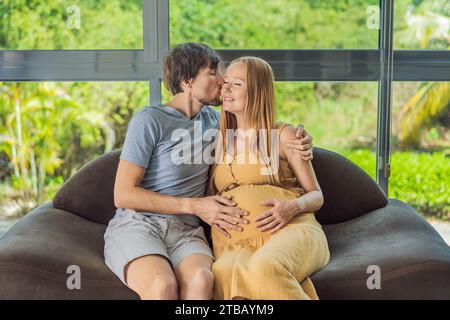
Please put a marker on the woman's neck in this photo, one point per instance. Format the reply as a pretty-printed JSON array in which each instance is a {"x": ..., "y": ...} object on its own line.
[
  {"x": 241, "y": 122},
  {"x": 242, "y": 137}
]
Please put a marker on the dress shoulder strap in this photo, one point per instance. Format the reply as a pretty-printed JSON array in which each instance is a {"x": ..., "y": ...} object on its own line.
[{"x": 280, "y": 126}]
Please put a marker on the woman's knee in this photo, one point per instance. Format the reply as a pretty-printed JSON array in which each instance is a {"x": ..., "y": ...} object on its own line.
[
  {"x": 260, "y": 266},
  {"x": 321, "y": 255},
  {"x": 222, "y": 268},
  {"x": 326, "y": 256}
]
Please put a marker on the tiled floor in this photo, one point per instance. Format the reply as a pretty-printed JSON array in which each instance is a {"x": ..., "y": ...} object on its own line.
[{"x": 443, "y": 228}]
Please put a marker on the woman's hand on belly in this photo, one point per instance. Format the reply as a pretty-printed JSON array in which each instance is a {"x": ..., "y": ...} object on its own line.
[
  {"x": 278, "y": 216},
  {"x": 250, "y": 197}
]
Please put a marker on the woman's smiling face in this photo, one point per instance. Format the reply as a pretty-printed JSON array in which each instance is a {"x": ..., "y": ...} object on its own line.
[{"x": 234, "y": 88}]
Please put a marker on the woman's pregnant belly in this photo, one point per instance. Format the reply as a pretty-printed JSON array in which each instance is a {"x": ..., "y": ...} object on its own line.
[{"x": 248, "y": 198}]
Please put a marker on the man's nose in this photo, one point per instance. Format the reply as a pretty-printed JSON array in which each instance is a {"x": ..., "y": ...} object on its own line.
[{"x": 220, "y": 80}]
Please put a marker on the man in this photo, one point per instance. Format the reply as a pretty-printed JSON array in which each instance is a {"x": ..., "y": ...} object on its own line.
[{"x": 155, "y": 243}]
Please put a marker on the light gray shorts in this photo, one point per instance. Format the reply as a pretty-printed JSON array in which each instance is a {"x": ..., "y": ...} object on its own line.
[{"x": 131, "y": 235}]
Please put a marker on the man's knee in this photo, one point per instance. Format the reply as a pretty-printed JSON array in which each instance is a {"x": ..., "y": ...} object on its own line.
[
  {"x": 200, "y": 280},
  {"x": 162, "y": 286},
  {"x": 166, "y": 285}
]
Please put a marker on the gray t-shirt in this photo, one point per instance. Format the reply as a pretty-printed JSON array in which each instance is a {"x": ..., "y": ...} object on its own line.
[{"x": 171, "y": 147}]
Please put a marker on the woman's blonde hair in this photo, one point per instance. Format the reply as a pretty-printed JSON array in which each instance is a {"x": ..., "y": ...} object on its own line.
[
  {"x": 259, "y": 110},
  {"x": 260, "y": 105}
]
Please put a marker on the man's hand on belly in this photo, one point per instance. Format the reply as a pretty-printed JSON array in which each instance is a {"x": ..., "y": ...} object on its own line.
[{"x": 219, "y": 212}]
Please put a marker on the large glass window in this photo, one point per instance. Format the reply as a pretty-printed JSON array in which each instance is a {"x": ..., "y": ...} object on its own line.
[
  {"x": 48, "y": 130},
  {"x": 280, "y": 24},
  {"x": 64, "y": 25},
  {"x": 420, "y": 147},
  {"x": 341, "y": 117}
]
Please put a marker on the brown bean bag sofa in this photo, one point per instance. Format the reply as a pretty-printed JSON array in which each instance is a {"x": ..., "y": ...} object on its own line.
[{"x": 363, "y": 228}]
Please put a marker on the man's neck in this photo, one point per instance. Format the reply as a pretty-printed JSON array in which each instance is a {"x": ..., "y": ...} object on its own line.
[{"x": 184, "y": 104}]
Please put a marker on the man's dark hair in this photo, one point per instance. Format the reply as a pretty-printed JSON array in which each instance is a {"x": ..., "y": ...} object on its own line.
[{"x": 184, "y": 61}]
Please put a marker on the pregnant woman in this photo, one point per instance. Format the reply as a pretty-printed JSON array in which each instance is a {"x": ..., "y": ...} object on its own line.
[{"x": 282, "y": 244}]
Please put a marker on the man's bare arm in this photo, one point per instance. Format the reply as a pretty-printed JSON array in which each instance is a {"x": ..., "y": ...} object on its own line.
[{"x": 129, "y": 194}]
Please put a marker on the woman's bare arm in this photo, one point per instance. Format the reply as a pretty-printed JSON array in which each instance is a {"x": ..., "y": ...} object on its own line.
[{"x": 312, "y": 200}]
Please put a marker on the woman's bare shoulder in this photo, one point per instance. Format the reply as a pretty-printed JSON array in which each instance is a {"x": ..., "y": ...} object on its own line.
[{"x": 287, "y": 133}]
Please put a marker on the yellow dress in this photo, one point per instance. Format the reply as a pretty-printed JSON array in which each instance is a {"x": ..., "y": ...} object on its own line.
[{"x": 256, "y": 265}]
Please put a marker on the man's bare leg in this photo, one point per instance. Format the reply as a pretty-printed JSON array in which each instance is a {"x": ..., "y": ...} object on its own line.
[
  {"x": 195, "y": 277},
  {"x": 152, "y": 278}
]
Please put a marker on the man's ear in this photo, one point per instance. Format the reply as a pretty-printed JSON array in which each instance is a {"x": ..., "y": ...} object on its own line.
[{"x": 186, "y": 84}]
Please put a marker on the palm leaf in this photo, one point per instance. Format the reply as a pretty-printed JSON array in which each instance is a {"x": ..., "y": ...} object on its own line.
[{"x": 418, "y": 113}]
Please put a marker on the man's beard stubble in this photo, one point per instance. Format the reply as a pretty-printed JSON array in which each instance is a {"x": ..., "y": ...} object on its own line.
[{"x": 217, "y": 101}]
